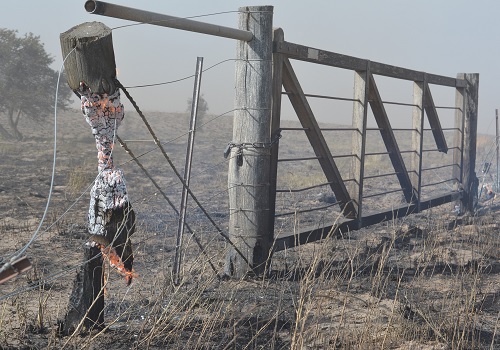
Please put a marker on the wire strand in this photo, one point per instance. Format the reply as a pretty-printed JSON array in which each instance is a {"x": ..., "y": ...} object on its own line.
[
  {"x": 20, "y": 252},
  {"x": 181, "y": 79},
  {"x": 173, "y": 20}
]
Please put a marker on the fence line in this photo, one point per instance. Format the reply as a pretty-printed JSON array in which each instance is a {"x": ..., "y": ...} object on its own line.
[{"x": 313, "y": 55}]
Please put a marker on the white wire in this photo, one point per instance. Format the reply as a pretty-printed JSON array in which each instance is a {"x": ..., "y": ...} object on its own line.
[{"x": 20, "y": 252}]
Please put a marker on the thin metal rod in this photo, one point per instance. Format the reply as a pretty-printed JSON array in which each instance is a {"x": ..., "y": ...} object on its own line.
[
  {"x": 431, "y": 150},
  {"x": 313, "y": 158},
  {"x": 344, "y": 156},
  {"x": 376, "y": 153},
  {"x": 116, "y": 11},
  {"x": 324, "y": 96},
  {"x": 187, "y": 171},
  {"x": 297, "y": 159},
  {"x": 444, "y": 129},
  {"x": 339, "y": 129},
  {"x": 440, "y": 167},
  {"x": 382, "y": 193},
  {"x": 381, "y": 175},
  {"x": 438, "y": 183},
  {"x": 305, "y": 188},
  {"x": 294, "y": 129},
  {"x": 400, "y": 103},
  {"x": 306, "y": 210},
  {"x": 448, "y": 107}
]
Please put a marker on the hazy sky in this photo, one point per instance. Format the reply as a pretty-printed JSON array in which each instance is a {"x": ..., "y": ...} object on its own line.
[{"x": 443, "y": 37}]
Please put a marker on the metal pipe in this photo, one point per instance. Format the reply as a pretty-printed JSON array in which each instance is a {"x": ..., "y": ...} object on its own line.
[
  {"x": 187, "y": 171},
  {"x": 116, "y": 11}
]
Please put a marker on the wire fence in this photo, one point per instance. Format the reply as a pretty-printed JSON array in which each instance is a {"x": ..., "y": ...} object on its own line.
[{"x": 303, "y": 194}]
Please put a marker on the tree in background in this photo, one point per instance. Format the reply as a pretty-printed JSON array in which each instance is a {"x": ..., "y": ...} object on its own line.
[
  {"x": 202, "y": 106},
  {"x": 27, "y": 83}
]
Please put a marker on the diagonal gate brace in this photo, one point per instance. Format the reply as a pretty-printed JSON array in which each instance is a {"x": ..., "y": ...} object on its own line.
[
  {"x": 435, "y": 124},
  {"x": 389, "y": 140},
  {"x": 316, "y": 138}
]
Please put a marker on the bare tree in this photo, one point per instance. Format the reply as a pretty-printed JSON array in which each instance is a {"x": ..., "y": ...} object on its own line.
[{"x": 27, "y": 83}]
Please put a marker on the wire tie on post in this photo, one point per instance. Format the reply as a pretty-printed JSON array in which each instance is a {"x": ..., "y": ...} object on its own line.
[
  {"x": 239, "y": 158},
  {"x": 227, "y": 150}
]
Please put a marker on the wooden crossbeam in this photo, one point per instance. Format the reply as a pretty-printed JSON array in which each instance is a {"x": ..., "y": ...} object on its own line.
[
  {"x": 434, "y": 122},
  {"x": 391, "y": 145},
  {"x": 309, "y": 54},
  {"x": 291, "y": 240},
  {"x": 316, "y": 138}
]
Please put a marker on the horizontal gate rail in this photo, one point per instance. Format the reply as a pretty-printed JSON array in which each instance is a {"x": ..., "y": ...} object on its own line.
[
  {"x": 308, "y": 54},
  {"x": 287, "y": 241}
]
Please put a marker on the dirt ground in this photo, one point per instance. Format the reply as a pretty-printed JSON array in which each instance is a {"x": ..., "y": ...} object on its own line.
[{"x": 428, "y": 281}]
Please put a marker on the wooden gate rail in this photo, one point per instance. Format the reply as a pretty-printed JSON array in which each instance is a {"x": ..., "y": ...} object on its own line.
[{"x": 350, "y": 197}]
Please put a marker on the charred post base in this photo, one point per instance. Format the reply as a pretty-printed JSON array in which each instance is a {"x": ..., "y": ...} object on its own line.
[{"x": 86, "y": 303}]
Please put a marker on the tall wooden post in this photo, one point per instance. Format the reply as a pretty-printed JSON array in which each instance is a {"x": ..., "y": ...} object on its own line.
[
  {"x": 91, "y": 73},
  {"x": 359, "y": 117},
  {"x": 417, "y": 138},
  {"x": 248, "y": 178},
  {"x": 277, "y": 88},
  {"x": 470, "y": 181}
]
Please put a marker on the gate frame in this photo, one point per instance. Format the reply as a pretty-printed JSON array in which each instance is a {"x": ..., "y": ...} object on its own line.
[{"x": 365, "y": 92}]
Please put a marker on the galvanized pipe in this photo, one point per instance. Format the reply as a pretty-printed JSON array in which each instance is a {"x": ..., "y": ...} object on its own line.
[
  {"x": 187, "y": 171},
  {"x": 141, "y": 16}
]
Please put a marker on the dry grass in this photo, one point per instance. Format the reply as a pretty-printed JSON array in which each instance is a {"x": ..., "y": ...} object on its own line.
[
  {"x": 399, "y": 285},
  {"x": 429, "y": 281}
]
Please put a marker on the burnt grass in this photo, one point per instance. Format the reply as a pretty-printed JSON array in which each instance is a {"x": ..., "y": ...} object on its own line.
[{"x": 426, "y": 281}]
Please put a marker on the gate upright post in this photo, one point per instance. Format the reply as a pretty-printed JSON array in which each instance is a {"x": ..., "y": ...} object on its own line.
[
  {"x": 469, "y": 180},
  {"x": 248, "y": 177}
]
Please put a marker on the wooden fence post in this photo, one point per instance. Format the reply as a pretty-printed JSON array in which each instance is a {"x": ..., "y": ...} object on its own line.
[
  {"x": 91, "y": 73},
  {"x": 358, "y": 141},
  {"x": 248, "y": 178},
  {"x": 277, "y": 88},
  {"x": 470, "y": 180},
  {"x": 417, "y": 138}
]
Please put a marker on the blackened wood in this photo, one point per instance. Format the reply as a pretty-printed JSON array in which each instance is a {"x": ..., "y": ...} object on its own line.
[
  {"x": 87, "y": 298},
  {"x": 93, "y": 60},
  {"x": 120, "y": 225}
]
